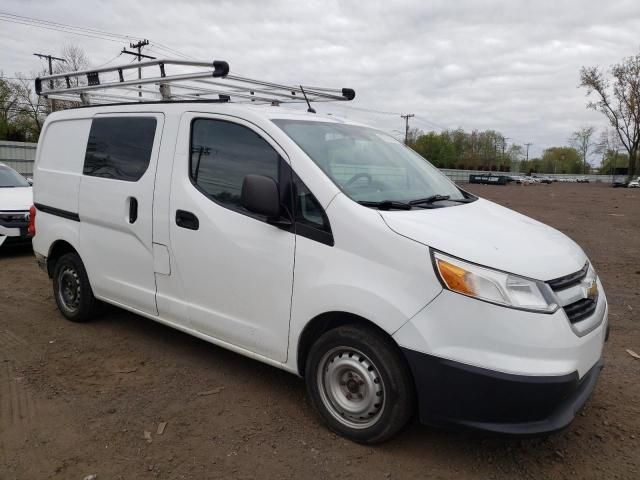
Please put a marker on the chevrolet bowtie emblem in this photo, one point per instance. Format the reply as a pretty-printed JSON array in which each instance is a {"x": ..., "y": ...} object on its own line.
[{"x": 592, "y": 290}]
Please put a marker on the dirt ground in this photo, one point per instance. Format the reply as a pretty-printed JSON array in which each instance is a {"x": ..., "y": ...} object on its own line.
[{"x": 76, "y": 400}]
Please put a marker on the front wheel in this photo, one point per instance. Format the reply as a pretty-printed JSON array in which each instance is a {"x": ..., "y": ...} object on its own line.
[
  {"x": 72, "y": 290},
  {"x": 360, "y": 384}
]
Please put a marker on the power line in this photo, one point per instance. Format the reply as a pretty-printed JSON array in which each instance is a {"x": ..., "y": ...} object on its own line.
[
  {"x": 108, "y": 61},
  {"x": 65, "y": 26},
  {"x": 430, "y": 123},
  {"x": 59, "y": 30},
  {"x": 369, "y": 110},
  {"x": 83, "y": 31}
]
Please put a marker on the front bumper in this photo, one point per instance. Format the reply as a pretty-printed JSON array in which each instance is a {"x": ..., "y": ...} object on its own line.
[
  {"x": 455, "y": 394},
  {"x": 13, "y": 236},
  {"x": 484, "y": 366},
  {"x": 14, "y": 230}
]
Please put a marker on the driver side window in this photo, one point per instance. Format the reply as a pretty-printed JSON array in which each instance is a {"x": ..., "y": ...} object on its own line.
[{"x": 222, "y": 154}]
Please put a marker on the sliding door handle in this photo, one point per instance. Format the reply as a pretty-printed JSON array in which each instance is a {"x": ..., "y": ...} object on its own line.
[{"x": 133, "y": 210}]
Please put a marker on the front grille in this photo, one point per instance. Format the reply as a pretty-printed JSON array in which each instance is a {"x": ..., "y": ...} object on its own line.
[
  {"x": 569, "y": 280},
  {"x": 14, "y": 219},
  {"x": 581, "y": 309},
  {"x": 575, "y": 295}
]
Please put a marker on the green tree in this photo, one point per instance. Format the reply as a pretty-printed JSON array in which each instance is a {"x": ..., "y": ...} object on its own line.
[{"x": 560, "y": 160}]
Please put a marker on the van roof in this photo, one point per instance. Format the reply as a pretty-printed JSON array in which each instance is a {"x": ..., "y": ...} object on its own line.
[{"x": 242, "y": 110}]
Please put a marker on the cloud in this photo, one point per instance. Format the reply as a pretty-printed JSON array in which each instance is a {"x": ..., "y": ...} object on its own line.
[{"x": 507, "y": 65}]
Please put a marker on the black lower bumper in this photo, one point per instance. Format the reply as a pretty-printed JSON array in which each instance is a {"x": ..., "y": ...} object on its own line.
[
  {"x": 19, "y": 240},
  {"x": 23, "y": 236},
  {"x": 455, "y": 394}
]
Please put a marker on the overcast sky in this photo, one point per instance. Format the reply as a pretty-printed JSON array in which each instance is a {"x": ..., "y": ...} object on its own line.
[{"x": 512, "y": 65}]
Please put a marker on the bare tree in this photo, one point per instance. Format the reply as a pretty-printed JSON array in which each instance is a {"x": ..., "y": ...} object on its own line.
[
  {"x": 581, "y": 141},
  {"x": 32, "y": 106},
  {"x": 608, "y": 144},
  {"x": 619, "y": 100},
  {"x": 75, "y": 60},
  {"x": 8, "y": 100}
]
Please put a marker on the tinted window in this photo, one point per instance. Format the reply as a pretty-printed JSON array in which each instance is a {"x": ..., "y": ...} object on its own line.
[
  {"x": 119, "y": 148},
  {"x": 308, "y": 210},
  {"x": 223, "y": 153}
]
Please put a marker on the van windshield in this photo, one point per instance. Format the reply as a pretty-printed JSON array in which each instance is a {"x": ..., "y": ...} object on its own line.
[
  {"x": 368, "y": 165},
  {"x": 10, "y": 178}
]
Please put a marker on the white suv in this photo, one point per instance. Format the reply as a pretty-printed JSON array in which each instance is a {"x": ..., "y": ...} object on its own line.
[
  {"x": 325, "y": 248},
  {"x": 16, "y": 200}
]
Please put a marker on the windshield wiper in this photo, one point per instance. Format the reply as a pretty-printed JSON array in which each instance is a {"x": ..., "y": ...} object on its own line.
[
  {"x": 386, "y": 205},
  {"x": 439, "y": 198},
  {"x": 429, "y": 200}
]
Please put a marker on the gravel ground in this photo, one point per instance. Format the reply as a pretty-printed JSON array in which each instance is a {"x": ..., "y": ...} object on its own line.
[{"x": 76, "y": 400}]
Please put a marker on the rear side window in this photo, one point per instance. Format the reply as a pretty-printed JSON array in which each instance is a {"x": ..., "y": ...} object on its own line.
[
  {"x": 119, "y": 147},
  {"x": 223, "y": 153}
]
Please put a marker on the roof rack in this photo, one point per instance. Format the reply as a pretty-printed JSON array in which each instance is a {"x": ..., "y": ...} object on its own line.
[{"x": 211, "y": 81}]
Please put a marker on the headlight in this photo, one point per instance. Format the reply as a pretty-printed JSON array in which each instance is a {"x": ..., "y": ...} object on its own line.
[{"x": 494, "y": 286}]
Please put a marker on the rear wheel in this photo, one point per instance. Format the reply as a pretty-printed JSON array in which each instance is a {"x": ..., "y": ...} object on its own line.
[
  {"x": 72, "y": 290},
  {"x": 360, "y": 384}
]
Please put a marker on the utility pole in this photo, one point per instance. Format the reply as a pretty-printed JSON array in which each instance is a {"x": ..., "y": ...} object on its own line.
[
  {"x": 50, "y": 58},
  {"x": 138, "y": 46},
  {"x": 528, "y": 145},
  {"x": 406, "y": 117}
]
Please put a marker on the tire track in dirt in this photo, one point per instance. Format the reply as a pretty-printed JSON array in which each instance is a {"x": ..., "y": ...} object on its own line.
[
  {"x": 9, "y": 341},
  {"x": 17, "y": 406}
]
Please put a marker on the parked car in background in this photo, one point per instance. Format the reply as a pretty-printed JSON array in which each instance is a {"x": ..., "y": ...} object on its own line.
[
  {"x": 582, "y": 180},
  {"x": 634, "y": 183},
  {"x": 619, "y": 184},
  {"x": 542, "y": 179},
  {"x": 16, "y": 199}
]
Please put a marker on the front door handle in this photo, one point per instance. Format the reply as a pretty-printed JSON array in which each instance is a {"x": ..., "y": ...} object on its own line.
[
  {"x": 133, "y": 210},
  {"x": 187, "y": 220}
]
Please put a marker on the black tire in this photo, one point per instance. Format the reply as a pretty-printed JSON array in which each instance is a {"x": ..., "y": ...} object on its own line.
[
  {"x": 350, "y": 367},
  {"x": 72, "y": 290}
]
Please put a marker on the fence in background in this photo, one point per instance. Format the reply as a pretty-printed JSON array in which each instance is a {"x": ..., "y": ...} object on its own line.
[
  {"x": 19, "y": 156},
  {"x": 462, "y": 176}
]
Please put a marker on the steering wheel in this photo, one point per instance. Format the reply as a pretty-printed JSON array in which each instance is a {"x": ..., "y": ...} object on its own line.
[{"x": 358, "y": 176}]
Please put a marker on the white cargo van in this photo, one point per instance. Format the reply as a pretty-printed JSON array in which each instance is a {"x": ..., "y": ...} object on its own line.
[{"x": 317, "y": 245}]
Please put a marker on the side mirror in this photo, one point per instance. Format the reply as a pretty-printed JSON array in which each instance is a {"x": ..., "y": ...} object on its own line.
[
  {"x": 30, "y": 181},
  {"x": 260, "y": 195}
]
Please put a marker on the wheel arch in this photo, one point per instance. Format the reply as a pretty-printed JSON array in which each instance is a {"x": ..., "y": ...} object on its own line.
[
  {"x": 328, "y": 321},
  {"x": 57, "y": 249}
]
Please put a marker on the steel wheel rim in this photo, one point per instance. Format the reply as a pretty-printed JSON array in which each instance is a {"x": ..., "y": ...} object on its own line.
[
  {"x": 69, "y": 289},
  {"x": 351, "y": 387}
]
